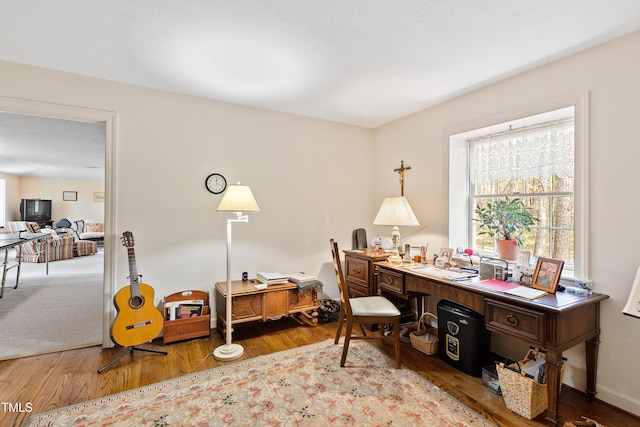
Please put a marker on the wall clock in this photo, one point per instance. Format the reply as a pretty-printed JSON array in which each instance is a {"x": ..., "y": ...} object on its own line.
[{"x": 215, "y": 183}]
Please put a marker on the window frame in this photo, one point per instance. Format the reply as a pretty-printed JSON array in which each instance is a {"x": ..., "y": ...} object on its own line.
[{"x": 458, "y": 213}]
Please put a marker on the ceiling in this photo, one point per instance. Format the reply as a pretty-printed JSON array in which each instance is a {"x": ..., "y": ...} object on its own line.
[
  {"x": 361, "y": 62},
  {"x": 51, "y": 148}
]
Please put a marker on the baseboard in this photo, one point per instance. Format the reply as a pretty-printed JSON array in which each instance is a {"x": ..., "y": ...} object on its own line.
[{"x": 619, "y": 400}]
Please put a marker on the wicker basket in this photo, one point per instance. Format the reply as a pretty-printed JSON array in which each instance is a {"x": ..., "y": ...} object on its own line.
[
  {"x": 523, "y": 395},
  {"x": 425, "y": 338}
]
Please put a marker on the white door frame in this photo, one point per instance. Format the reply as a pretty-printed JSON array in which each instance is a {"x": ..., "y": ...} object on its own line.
[{"x": 108, "y": 118}]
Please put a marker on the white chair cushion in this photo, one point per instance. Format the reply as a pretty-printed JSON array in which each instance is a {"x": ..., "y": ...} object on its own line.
[
  {"x": 92, "y": 235},
  {"x": 373, "y": 306}
]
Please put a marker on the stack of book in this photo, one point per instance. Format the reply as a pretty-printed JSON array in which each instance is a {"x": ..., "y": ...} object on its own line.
[
  {"x": 271, "y": 278},
  {"x": 183, "y": 309},
  {"x": 300, "y": 278}
]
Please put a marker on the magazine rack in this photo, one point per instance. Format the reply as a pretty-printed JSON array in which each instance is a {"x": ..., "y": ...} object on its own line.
[{"x": 187, "y": 328}]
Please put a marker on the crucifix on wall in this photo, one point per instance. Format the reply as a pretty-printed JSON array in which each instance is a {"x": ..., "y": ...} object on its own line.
[{"x": 401, "y": 171}]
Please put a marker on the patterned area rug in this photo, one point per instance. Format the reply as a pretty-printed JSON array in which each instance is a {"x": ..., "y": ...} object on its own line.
[{"x": 300, "y": 387}]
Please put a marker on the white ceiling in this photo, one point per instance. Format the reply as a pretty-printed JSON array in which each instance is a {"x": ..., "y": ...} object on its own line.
[
  {"x": 363, "y": 62},
  {"x": 51, "y": 148}
]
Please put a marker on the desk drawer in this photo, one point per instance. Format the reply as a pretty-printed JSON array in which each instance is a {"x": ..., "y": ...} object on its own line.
[
  {"x": 246, "y": 307},
  {"x": 391, "y": 282},
  {"x": 298, "y": 300},
  {"x": 356, "y": 290},
  {"x": 357, "y": 271},
  {"x": 518, "y": 322}
]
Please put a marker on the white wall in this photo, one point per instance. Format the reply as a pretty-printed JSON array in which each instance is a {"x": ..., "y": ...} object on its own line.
[
  {"x": 610, "y": 74},
  {"x": 311, "y": 178},
  {"x": 84, "y": 208}
]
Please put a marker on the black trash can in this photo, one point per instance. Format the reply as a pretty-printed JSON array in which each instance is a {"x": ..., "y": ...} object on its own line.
[{"x": 464, "y": 341}]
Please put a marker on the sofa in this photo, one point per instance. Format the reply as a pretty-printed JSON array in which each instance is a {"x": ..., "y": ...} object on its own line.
[{"x": 60, "y": 247}]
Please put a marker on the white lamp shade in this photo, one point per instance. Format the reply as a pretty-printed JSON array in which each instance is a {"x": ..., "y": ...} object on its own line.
[
  {"x": 396, "y": 211},
  {"x": 632, "y": 308},
  {"x": 238, "y": 198}
]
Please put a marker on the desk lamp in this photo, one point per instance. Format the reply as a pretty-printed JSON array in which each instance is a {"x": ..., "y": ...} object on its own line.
[
  {"x": 395, "y": 211},
  {"x": 238, "y": 199},
  {"x": 632, "y": 307}
]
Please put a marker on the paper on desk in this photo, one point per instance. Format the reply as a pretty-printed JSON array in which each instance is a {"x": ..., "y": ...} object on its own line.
[
  {"x": 526, "y": 292},
  {"x": 441, "y": 273},
  {"x": 496, "y": 285}
]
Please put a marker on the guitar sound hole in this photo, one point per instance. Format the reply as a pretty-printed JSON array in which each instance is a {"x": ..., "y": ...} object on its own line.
[{"x": 136, "y": 302}]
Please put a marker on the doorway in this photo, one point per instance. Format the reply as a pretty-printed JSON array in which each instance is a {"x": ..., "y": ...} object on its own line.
[{"x": 107, "y": 120}]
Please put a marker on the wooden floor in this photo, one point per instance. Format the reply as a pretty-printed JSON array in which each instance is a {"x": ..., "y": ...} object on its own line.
[{"x": 41, "y": 383}]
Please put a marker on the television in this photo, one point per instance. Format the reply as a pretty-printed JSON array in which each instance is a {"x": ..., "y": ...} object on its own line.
[{"x": 38, "y": 210}]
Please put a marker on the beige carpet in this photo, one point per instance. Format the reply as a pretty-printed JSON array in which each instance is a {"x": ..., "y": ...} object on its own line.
[
  {"x": 304, "y": 386},
  {"x": 51, "y": 313}
]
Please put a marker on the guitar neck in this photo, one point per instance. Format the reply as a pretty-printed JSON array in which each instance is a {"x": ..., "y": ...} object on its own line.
[{"x": 133, "y": 273}]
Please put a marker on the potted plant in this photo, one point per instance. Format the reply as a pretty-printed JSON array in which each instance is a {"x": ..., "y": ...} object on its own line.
[{"x": 505, "y": 220}]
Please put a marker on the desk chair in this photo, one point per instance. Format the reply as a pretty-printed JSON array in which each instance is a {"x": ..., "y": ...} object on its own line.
[
  {"x": 372, "y": 309},
  {"x": 359, "y": 239}
]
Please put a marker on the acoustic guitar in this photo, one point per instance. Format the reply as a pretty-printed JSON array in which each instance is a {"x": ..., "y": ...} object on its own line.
[{"x": 138, "y": 321}]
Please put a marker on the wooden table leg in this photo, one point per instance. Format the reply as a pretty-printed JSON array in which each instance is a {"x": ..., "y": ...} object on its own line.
[
  {"x": 554, "y": 382},
  {"x": 591, "y": 353},
  {"x": 309, "y": 319}
]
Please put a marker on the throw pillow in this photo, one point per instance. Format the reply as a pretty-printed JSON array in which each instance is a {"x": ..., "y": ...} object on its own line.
[{"x": 93, "y": 227}]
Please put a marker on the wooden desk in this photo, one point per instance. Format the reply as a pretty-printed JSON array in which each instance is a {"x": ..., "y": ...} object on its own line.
[
  {"x": 555, "y": 322},
  {"x": 274, "y": 302}
]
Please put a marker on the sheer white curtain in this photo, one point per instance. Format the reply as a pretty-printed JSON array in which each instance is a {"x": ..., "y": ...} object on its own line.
[{"x": 533, "y": 152}]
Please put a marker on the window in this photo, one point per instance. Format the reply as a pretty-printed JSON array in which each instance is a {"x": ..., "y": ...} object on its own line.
[
  {"x": 534, "y": 163},
  {"x": 541, "y": 159}
]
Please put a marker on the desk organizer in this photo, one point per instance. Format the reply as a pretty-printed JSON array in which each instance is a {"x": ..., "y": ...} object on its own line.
[{"x": 490, "y": 378}]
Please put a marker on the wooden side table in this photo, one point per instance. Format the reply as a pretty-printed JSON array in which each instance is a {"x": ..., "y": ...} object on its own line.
[{"x": 274, "y": 302}]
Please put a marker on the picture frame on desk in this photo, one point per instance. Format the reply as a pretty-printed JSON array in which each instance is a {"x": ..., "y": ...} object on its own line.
[
  {"x": 445, "y": 255},
  {"x": 546, "y": 276}
]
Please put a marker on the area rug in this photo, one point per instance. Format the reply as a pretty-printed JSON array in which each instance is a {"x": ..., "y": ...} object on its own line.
[{"x": 304, "y": 386}]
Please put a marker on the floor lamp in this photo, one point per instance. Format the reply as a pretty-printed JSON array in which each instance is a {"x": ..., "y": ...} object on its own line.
[
  {"x": 395, "y": 211},
  {"x": 238, "y": 199}
]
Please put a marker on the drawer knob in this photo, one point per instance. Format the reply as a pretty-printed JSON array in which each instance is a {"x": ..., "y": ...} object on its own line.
[
  {"x": 353, "y": 270},
  {"x": 512, "y": 320},
  {"x": 389, "y": 281}
]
